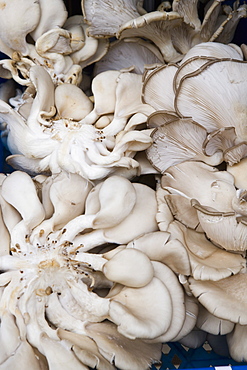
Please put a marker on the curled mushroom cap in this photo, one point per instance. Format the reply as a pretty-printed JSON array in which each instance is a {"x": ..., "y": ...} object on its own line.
[
  {"x": 207, "y": 261},
  {"x": 133, "y": 322},
  {"x": 223, "y": 298},
  {"x": 15, "y": 26}
]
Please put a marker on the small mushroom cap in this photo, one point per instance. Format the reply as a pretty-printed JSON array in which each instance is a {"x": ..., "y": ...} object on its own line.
[
  {"x": 19, "y": 190},
  {"x": 142, "y": 218},
  {"x": 117, "y": 197},
  {"x": 77, "y": 106},
  {"x": 129, "y": 267},
  {"x": 170, "y": 280},
  {"x": 191, "y": 314},
  {"x": 207, "y": 261},
  {"x": 223, "y": 228},
  {"x": 177, "y": 141}
]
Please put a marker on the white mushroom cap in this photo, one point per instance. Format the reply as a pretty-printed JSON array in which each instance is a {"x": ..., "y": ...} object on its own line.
[
  {"x": 213, "y": 324},
  {"x": 154, "y": 93},
  {"x": 126, "y": 353},
  {"x": 221, "y": 73},
  {"x": 207, "y": 261},
  {"x": 127, "y": 53},
  {"x": 28, "y": 204},
  {"x": 126, "y": 310},
  {"x": 77, "y": 106},
  {"x": 177, "y": 141},
  {"x": 158, "y": 247},
  {"x": 237, "y": 344},
  {"x": 16, "y": 25},
  {"x": 52, "y": 15},
  {"x": 129, "y": 267},
  {"x": 224, "y": 298}
]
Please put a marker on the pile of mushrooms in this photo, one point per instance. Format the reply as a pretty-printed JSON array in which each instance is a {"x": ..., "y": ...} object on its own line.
[{"x": 124, "y": 221}]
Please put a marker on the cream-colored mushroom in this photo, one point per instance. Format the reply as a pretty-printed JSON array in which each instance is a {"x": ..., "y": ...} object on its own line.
[
  {"x": 134, "y": 355},
  {"x": 95, "y": 15},
  {"x": 213, "y": 324},
  {"x": 133, "y": 52},
  {"x": 15, "y": 26},
  {"x": 224, "y": 298},
  {"x": 207, "y": 261},
  {"x": 158, "y": 247},
  {"x": 52, "y": 15},
  {"x": 177, "y": 141},
  {"x": 78, "y": 105}
]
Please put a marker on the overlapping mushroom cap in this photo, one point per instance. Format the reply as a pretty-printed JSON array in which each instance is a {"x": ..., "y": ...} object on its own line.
[
  {"x": 83, "y": 248},
  {"x": 58, "y": 295},
  {"x": 47, "y": 136}
]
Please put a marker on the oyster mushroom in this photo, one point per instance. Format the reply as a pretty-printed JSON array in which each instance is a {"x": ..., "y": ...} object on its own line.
[{"x": 223, "y": 298}]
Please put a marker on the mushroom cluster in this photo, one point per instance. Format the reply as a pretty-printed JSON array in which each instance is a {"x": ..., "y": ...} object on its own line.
[{"x": 100, "y": 266}]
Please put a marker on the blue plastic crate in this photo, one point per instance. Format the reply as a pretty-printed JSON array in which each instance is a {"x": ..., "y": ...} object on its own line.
[{"x": 177, "y": 356}]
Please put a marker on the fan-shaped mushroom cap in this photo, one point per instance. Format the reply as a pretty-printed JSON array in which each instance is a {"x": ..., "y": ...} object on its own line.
[
  {"x": 223, "y": 228},
  {"x": 16, "y": 25},
  {"x": 126, "y": 310},
  {"x": 218, "y": 186},
  {"x": 143, "y": 216},
  {"x": 213, "y": 324},
  {"x": 126, "y": 353},
  {"x": 96, "y": 13},
  {"x": 127, "y": 53},
  {"x": 207, "y": 261},
  {"x": 158, "y": 247},
  {"x": 221, "y": 76},
  {"x": 225, "y": 298},
  {"x": 168, "y": 277},
  {"x": 178, "y": 141},
  {"x": 155, "y": 26},
  {"x": 156, "y": 94}
]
